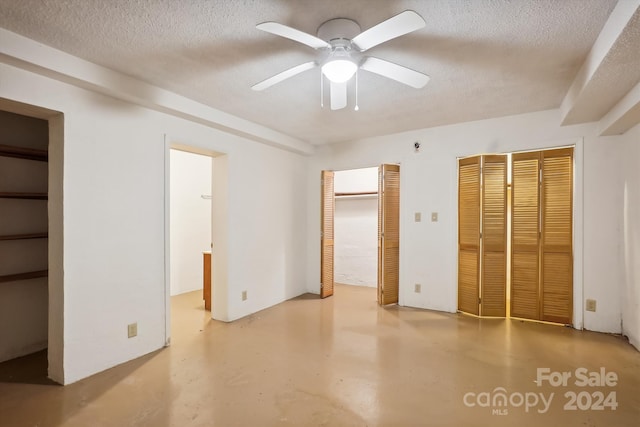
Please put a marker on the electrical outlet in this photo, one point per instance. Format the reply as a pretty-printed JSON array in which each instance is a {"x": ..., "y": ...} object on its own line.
[
  {"x": 132, "y": 330},
  {"x": 434, "y": 216},
  {"x": 417, "y": 288},
  {"x": 417, "y": 217},
  {"x": 591, "y": 305},
  {"x": 244, "y": 295}
]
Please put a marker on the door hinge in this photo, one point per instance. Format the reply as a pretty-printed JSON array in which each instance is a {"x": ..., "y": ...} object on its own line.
[
  {"x": 481, "y": 235},
  {"x": 479, "y": 301}
]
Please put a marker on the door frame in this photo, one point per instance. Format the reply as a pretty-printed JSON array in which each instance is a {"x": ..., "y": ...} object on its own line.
[
  {"x": 378, "y": 166},
  {"x": 219, "y": 228}
]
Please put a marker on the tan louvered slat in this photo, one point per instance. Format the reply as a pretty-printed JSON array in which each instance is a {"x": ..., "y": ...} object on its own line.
[
  {"x": 494, "y": 236},
  {"x": 524, "y": 285},
  {"x": 469, "y": 203},
  {"x": 557, "y": 298},
  {"x": 391, "y": 275},
  {"x": 557, "y": 235},
  {"x": 525, "y": 220},
  {"x": 494, "y": 284},
  {"x": 389, "y": 194},
  {"x": 326, "y": 253},
  {"x": 469, "y": 234},
  {"x": 468, "y": 281}
]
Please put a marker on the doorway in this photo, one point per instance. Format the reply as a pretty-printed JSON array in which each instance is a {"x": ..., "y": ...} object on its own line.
[
  {"x": 190, "y": 238},
  {"x": 356, "y": 227},
  {"x": 31, "y": 286},
  {"x": 360, "y": 230},
  {"x": 190, "y": 220},
  {"x": 195, "y": 235}
]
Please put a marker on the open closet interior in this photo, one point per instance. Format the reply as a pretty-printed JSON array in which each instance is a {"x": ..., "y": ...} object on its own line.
[
  {"x": 356, "y": 226},
  {"x": 23, "y": 235}
]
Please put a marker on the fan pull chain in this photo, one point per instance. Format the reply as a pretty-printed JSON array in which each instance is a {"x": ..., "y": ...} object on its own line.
[{"x": 356, "y": 107}]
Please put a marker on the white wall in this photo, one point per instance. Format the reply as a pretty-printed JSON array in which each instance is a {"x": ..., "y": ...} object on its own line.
[
  {"x": 23, "y": 304},
  {"x": 429, "y": 184},
  {"x": 631, "y": 237},
  {"x": 190, "y": 217},
  {"x": 114, "y": 220},
  {"x": 356, "y": 180},
  {"x": 356, "y": 228}
]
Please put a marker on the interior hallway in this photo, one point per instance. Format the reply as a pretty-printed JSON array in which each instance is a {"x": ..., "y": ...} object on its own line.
[{"x": 342, "y": 361}]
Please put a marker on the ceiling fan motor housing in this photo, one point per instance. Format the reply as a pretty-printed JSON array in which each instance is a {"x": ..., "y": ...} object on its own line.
[
  {"x": 338, "y": 28},
  {"x": 338, "y": 33}
]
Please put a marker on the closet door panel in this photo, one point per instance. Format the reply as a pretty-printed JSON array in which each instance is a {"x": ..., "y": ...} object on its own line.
[
  {"x": 469, "y": 234},
  {"x": 327, "y": 245},
  {"x": 494, "y": 236},
  {"x": 557, "y": 235},
  {"x": 389, "y": 239},
  {"x": 525, "y": 235}
]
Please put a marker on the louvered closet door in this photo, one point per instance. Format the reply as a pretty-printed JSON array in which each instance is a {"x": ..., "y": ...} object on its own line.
[
  {"x": 468, "y": 234},
  {"x": 525, "y": 214},
  {"x": 494, "y": 236},
  {"x": 557, "y": 236},
  {"x": 388, "y": 234},
  {"x": 326, "y": 250}
]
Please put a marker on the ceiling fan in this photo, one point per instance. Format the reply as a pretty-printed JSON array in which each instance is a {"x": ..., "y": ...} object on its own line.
[{"x": 341, "y": 43}]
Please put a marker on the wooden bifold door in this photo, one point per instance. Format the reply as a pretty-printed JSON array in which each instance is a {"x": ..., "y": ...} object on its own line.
[
  {"x": 388, "y": 234},
  {"x": 327, "y": 210},
  {"x": 541, "y": 257},
  {"x": 542, "y": 236},
  {"x": 482, "y": 235}
]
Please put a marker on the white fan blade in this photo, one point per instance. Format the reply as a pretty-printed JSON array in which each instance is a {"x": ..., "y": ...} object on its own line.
[
  {"x": 396, "y": 26},
  {"x": 293, "y": 34},
  {"x": 283, "y": 75},
  {"x": 395, "y": 72},
  {"x": 338, "y": 95}
]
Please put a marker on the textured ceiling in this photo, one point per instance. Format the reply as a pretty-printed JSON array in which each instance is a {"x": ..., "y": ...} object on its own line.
[{"x": 486, "y": 58}]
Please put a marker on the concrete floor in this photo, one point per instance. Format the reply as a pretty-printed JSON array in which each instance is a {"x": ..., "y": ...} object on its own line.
[{"x": 342, "y": 361}]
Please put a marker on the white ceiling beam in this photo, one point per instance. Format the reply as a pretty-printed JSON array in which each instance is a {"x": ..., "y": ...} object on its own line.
[
  {"x": 30, "y": 55},
  {"x": 611, "y": 68},
  {"x": 624, "y": 116}
]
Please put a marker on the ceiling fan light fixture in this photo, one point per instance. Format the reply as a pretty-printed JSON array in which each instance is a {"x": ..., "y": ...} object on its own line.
[{"x": 339, "y": 70}]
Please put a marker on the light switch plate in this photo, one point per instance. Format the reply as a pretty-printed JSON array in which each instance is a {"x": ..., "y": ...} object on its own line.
[
  {"x": 417, "y": 217},
  {"x": 417, "y": 288},
  {"x": 590, "y": 305},
  {"x": 132, "y": 330},
  {"x": 434, "y": 216}
]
